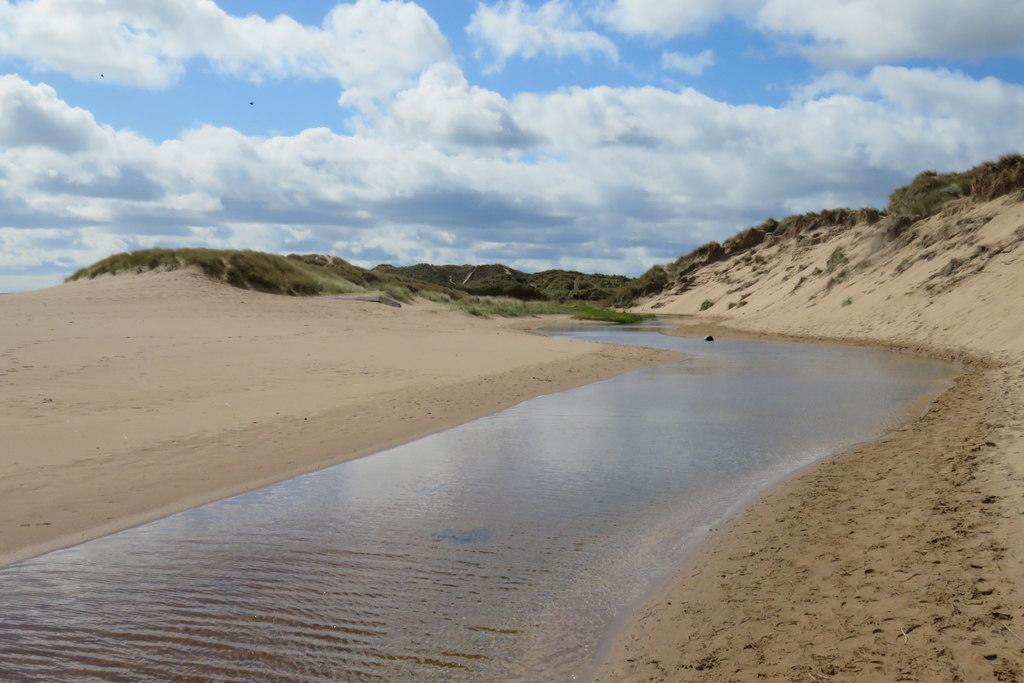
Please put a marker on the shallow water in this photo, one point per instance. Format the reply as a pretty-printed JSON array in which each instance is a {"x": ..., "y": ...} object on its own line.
[{"x": 505, "y": 548}]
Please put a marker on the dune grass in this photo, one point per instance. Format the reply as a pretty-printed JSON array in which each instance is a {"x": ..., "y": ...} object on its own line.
[
  {"x": 294, "y": 275},
  {"x": 313, "y": 274},
  {"x": 506, "y": 307},
  {"x": 930, "y": 191},
  {"x": 244, "y": 269},
  {"x": 610, "y": 315}
]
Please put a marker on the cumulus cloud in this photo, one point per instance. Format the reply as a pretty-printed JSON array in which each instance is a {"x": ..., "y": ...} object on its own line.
[
  {"x": 877, "y": 31},
  {"x": 592, "y": 178},
  {"x": 842, "y": 32},
  {"x": 512, "y": 28},
  {"x": 694, "y": 65},
  {"x": 29, "y": 117},
  {"x": 371, "y": 47},
  {"x": 443, "y": 107},
  {"x": 669, "y": 19}
]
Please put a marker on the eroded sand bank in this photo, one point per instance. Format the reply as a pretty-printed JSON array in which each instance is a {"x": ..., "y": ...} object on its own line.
[{"x": 902, "y": 559}]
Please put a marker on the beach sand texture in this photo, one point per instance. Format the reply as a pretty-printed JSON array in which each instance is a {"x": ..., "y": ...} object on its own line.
[
  {"x": 131, "y": 397},
  {"x": 901, "y": 559}
]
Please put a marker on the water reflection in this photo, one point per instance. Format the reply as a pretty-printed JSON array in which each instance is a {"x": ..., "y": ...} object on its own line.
[{"x": 503, "y": 548}]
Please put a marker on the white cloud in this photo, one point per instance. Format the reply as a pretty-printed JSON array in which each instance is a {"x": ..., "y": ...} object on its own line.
[
  {"x": 443, "y": 107},
  {"x": 31, "y": 116},
  {"x": 610, "y": 178},
  {"x": 669, "y": 18},
  {"x": 693, "y": 65},
  {"x": 511, "y": 28},
  {"x": 842, "y": 32},
  {"x": 371, "y": 47},
  {"x": 847, "y": 32}
]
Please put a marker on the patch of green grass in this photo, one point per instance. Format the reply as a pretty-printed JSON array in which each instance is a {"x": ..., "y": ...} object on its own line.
[
  {"x": 436, "y": 297},
  {"x": 507, "y": 307},
  {"x": 706, "y": 304},
  {"x": 610, "y": 315},
  {"x": 397, "y": 292}
]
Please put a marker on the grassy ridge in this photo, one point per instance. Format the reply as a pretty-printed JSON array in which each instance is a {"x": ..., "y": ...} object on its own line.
[
  {"x": 930, "y": 191},
  {"x": 923, "y": 197},
  {"x": 294, "y": 275},
  {"x": 243, "y": 269},
  {"x": 314, "y": 274},
  {"x": 499, "y": 280}
]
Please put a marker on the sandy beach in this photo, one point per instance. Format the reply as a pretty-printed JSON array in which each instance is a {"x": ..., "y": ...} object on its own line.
[
  {"x": 900, "y": 559},
  {"x": 128, "y": 398}
]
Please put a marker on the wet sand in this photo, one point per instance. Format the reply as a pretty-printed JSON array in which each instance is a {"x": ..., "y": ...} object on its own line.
[
  {"x": 128, "y": 398},
  {"x": 897, "y": 560}
]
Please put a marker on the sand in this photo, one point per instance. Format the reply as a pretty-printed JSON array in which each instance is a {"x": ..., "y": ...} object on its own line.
[
  {"x": 901, "y": 559},
  {"x": 127, "y": 398}
]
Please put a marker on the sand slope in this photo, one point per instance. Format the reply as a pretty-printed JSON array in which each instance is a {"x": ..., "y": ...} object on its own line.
[
  {"x": 129, "y": 397},
  {"x": 902, "y": 559}
]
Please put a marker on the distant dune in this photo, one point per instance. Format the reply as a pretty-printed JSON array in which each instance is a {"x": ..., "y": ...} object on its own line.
[
  {"x": 499, "y": 280},
  {"x": 902, "y": 559}
]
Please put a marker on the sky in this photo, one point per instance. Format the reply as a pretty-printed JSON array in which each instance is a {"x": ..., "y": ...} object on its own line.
[{"x": 599, "y": 135}]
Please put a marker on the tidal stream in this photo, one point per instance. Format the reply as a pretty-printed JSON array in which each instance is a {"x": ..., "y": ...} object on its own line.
[{"x": 508, "y": 548}]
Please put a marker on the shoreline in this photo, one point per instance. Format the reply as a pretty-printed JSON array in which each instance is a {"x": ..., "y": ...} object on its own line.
[
  {"x": 574, "y": 375},
  {"x": 731, "y": 610},
  {"x": 418, "y": 371},
  {"x": 612, "y": 644}
]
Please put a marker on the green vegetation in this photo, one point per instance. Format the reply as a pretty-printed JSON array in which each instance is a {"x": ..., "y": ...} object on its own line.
[
  {"x": 507, "y": 307},
  {"x": 610, "y": 315},
  {"x": 498, "y": 280},
  {"x": 244, "y": 269},
  {"x": 571, "y": 285},
  {"x": 930, "y": 191},
  {"x": 847, "y": 301},
  {"x": 395, "y": 285},
  {"x": 295, "y": 275},
  {"x": 706, "y": 304},
  {"x": 312, "y": 274},
  {"x": 924, "y": 197},
  {"x": 652, "y": 282}
]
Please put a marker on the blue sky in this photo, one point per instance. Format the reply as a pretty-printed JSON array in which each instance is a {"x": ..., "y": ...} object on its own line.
[{"x": 600, "y": 135}]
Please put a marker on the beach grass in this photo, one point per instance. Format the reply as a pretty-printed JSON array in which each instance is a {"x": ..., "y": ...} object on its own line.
[
  {"x": 506, "y": 307},
  {"x": 610, "y": 315},
  {"x": 314, "y": 274},
  {"x": 245, "y": 269},
  {"x": 294, "y": 274}
]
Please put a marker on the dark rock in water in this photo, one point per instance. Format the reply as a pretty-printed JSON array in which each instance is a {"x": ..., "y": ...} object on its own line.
[{"x": 709, "y": 338}]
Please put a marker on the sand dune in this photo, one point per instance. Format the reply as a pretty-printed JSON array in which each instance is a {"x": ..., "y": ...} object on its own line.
[
  {"x": 126, "y": 398},
  {"x": 899, "y": 560}
]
